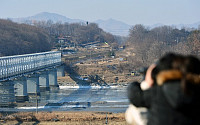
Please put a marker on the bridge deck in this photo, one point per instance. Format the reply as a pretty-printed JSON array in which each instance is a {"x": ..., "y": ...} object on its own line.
[{"x": 20, "y": 64}]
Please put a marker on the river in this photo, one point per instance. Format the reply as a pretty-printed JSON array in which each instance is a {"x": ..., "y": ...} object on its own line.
[{"x": 87, "y": 98}]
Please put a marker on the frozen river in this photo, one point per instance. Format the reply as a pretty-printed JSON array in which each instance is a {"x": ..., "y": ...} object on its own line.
[{"x": 111, "y": 99}]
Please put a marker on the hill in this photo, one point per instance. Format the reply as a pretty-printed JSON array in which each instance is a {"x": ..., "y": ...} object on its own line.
[
  {"x": 45, "y": 16},
  {"x": 16, "y": 39},
  {"x": 115, "y": 27}
]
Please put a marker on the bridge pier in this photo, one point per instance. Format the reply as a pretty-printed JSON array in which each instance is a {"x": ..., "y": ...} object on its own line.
[
  {"x": 33, "y": 84},
  {"x": 7, "y": 96},
  {"x": 44, "y": 81},
  {"x": 53, "y": 78},
  {"x": 20, "y": 85},
  {"x": 61, "y": 71},
  {"x": 13, "y": 66}
]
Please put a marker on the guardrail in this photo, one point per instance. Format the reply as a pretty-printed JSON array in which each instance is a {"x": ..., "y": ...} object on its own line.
[{"x": 20, "y": 64}]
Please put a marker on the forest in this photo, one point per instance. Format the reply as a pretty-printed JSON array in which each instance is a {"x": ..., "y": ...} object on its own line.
[{"x": 150, "y": 44}]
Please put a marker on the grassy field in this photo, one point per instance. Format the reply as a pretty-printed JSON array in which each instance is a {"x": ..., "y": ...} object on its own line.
[{"x": 63, "y": 118}]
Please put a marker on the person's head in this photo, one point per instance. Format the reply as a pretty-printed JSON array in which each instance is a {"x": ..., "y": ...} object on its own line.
[
  {"x": 191, "y": 65},
  {"x": 168, "y": 62},
  {"x": 190, "y": 81},
  {"x": 178, "y": 67}
]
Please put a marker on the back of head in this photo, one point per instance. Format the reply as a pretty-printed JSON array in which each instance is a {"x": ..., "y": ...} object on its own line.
[
  {"x": 191, "y": 65},
  {"x": 190, "y": 81},
  {"x": 187, "y": 68},
  {"x": 168, "y": 62}
]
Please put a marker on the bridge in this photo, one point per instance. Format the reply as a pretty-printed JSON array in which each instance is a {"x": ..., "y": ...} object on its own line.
[{"x": 25, "y": 75}]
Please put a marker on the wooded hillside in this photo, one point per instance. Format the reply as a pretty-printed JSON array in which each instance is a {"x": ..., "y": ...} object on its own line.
[
  {"x": 148, "y": 45},
  {"x": 78, "y": 33},
  {"x": 16, "y": 39}
]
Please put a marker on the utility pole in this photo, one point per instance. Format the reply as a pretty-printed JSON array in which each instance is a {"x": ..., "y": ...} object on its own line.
[
  {"x": 157, "y": 36},
  {"x": 36, "y": 102},
  {"x": 177, "y": 40},
  {"x": 106, "y": 118},
  {"x": 36, "y": 98}
]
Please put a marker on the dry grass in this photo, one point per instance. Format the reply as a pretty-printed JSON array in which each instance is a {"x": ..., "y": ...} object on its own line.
[{"x": 59, "y": 118}]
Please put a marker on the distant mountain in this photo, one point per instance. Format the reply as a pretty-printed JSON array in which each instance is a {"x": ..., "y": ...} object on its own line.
[
  {"x": 179, "y": 26},
  {"x": 45, "y": 16},
  {"x": 194, "y": 25},
  {"x": 113, "y": 26},
  {"x": 155, "y": 25}
]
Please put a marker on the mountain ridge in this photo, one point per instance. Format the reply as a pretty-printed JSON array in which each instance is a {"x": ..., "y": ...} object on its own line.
[
  {"x": 112, "y": 26},
  {"x": 45, "y": 16}
]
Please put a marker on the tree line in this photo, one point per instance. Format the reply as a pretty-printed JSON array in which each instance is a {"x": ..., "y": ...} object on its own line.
[{"x": 150, "y": 44}]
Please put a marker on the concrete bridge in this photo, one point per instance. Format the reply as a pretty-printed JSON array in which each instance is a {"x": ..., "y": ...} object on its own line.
[{"x": 25, "y": 75}]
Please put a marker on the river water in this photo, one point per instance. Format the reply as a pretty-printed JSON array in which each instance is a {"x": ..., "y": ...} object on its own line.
[{"x": 69, "y": 98}]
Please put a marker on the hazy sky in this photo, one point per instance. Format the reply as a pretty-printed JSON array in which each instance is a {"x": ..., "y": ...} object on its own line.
[{"x": 129, "y": 11}]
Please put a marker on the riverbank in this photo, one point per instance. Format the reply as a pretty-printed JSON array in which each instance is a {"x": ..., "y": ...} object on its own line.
[{"x": 64, "y": 117}]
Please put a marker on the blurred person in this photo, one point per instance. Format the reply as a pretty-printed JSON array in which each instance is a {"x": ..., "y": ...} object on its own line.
[{"x": 170, "y": 92}]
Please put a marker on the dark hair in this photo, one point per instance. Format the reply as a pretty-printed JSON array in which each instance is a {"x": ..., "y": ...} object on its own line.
[
  {"x": 190, "y": 81},
  {"x": 187, "y": 65},
  {"x": 191, "y": 65},
  {"x": 167, "y": 62}
]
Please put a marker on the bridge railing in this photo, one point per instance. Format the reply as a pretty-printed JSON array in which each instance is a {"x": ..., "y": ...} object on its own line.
[{"x": 15, "y": 65}]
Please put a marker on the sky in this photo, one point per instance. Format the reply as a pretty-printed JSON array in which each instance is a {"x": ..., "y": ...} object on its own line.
[{"x": 147, "y": 12}]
